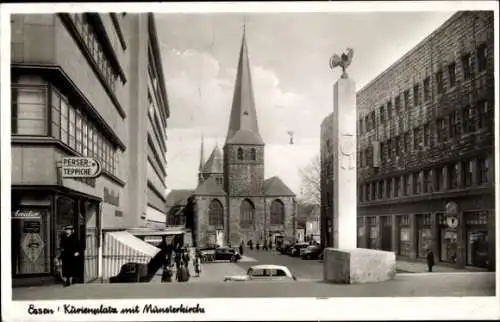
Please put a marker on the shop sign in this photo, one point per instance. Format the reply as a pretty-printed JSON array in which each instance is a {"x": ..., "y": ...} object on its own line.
[
  {"x": 31, "y": 226},
  {"x": 76, "y": 167},
  {"x": 24, "y": 214},
  {"x": 32, "y": 246}
]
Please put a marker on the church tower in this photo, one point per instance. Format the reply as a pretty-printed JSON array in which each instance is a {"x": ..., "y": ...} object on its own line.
[
  {"x": 202, "y": 162},
  {"x": 244, "y": 147}
]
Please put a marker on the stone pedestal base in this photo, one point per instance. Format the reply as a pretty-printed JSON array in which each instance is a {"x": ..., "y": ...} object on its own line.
[{"x": 359, "y": 265}]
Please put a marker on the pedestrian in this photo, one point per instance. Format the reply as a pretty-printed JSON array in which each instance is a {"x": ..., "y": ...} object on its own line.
[
  {"x": 270, "y": 245},
  {"x": 182, "y": 273},
  {"x": 257, "y": 246},
  {"x": 197, "y": 264},
  {"x": 70, "y": 255},
  {"x": 250, "y": 242},
  {"x": 177, "y": 259},
  {"x": 430, "y": 259},
  {"x": 241, "y": 248},
  {"x": 264, "y": 245},
  {"x": 166, "y": 277}
]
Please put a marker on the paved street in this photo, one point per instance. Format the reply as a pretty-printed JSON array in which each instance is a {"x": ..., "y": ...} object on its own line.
[
  {"x": 417, "y": 285},
  {"x": 303, "y": 269}
]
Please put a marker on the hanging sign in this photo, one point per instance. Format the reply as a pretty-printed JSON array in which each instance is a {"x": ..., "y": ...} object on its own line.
[
  {"x": 452, "y": 222},
  {"x": 76, "y": 167}
]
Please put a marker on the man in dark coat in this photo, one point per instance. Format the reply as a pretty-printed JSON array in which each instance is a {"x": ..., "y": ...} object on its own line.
[
  {"x": 241, "y": 248},
  {"x": 70, "y": 254},
  {"x": 430, "y": 259}
]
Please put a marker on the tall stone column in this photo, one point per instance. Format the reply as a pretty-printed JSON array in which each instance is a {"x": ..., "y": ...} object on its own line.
[
  {"x": 345, "y": 182},
  {"x": 344, "y": 263}
]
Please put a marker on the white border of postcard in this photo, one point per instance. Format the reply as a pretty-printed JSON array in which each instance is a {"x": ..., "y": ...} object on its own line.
[{"x": 243, "y": 309}]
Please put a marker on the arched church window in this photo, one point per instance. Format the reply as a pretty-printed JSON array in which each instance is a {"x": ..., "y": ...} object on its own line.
[
  {"x": 216, "y": 214},
  {"x": 247, "y": 212},
  {"x": 277, "y": 213},
  {"x": 253, "y": 154},
  {"x": 240, "y": 154}
]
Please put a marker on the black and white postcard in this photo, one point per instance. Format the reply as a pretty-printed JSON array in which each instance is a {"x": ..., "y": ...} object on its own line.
[{"x": 250, "y": 161}]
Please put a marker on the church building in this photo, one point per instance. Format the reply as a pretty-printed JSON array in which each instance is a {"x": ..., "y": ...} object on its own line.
[{"x": 233, "y": 202}]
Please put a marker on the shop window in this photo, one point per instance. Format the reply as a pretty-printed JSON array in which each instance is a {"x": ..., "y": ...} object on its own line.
[
  {"x": 427, "y": 89},
  {"x": 404, "y": 241},
  {"x": 452, "y": 74},
  {"x": 466, "y": 66},
  {"x": 29, "y": 110},
  {"x": 371, "y": 223},
  {"x": 482, "y": 171},
  {"x": 30, "y": 241},
  {"x": 477, "y": 238},
  {"x": 416, "y": 95}
]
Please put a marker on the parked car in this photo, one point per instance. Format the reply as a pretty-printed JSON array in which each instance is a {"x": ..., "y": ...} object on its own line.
[
  {"x": 227, "y": 254},
  {"x": 264, "y": 273},
  {"x": 284, "y": 249},
  {"x": 311, "y": 252},
  {"x": 294, "y": 251}
]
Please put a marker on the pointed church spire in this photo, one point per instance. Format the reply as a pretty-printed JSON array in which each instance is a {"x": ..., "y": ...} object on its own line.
[
  {"x": 202, "y": 155},
  {"x": 243, "y": 126}
]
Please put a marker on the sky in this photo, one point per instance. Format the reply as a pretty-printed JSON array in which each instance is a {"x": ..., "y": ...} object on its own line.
[{"x": 289, "y": 54}]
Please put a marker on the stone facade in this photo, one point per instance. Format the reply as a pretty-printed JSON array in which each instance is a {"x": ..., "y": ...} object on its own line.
[{"x": 425, "y": 138}]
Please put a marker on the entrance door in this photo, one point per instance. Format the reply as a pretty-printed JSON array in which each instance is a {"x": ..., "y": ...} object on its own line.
[
  {"x": 91, "y": 235},
  {"x": 220, "y": 237},
  {"x": 387, "y": 238},
  {"x": 477, "y": 247}
]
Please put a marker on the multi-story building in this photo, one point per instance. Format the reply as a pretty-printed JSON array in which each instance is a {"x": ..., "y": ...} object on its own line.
[
  {"x": 425, "y": 139},
  {"x": 80, "y": 87}
]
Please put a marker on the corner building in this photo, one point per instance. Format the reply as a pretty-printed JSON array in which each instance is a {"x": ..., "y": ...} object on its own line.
[
  {"x": 233, "y": 202},
  {"x": 80, "y": 88},
  {"x": 425, "y": 138}
]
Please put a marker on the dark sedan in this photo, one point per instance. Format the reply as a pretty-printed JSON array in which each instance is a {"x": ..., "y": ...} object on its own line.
[
  {"x": 227, "y": 254},
  {"x": 311, "y": 252},
  {"x": 294, "y": 251}
]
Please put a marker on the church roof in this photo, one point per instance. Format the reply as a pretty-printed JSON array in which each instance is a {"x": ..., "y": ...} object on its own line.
[
  {"x": 178, "y": 197},
  {"x": 209, "y": 188},
  {"x": 274, "y": 186},
  {"x": 214, "y": 163},
  {"x": 243, "y": 126}
]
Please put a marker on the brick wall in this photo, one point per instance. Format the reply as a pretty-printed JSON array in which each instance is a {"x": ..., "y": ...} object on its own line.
[{"x": 462, "y": 35}]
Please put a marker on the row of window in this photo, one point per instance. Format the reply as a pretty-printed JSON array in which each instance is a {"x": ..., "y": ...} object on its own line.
[
  {"x": 155, "y": 124},
  {"x": 459, "y": 175},
  {"x": 247, "y": 214},
  {"x": 86, "y": 30},
  {"x": 385, "y": 112},
  {"x": 68, "y": 123},
  {"x": 250, "y": 154},
  {"x": 458, "y": 122}
]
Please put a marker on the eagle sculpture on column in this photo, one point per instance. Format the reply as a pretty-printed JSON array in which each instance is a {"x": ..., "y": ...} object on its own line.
[{"x": 343, "y": 61}]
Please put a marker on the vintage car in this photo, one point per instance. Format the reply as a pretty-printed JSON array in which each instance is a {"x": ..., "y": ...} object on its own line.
[
  {"x": 220, "y": 254},
  {"x": 263, "y": 273},
  {"x": 294, "y": 251},
  {"x": 311, "y": 252}
]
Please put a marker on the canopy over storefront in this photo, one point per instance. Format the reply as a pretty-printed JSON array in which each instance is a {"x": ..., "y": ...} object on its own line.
[{"x": 122, "y": 247}]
